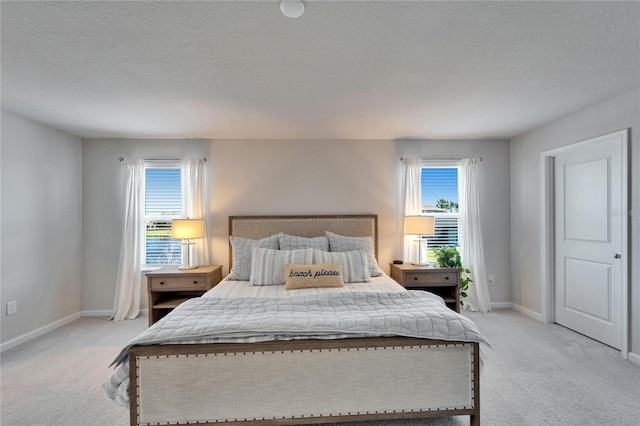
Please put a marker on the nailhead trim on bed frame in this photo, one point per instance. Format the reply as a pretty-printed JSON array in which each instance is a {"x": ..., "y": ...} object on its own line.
[
  {"x": 473, "y": 367},
  {"x": 310, "y": 218}
]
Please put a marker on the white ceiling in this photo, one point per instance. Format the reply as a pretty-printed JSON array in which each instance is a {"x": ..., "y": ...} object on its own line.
[{"x": 345, "y": 69}]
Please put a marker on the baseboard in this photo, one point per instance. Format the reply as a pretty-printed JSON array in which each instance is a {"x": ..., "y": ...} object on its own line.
[
  {"x": 39, "y": 332},
  {"x": 64, "y": 321},
  {"x": 501, "y": 305},
  {"x": 527, "y": 312},
  {"x": 107, "y": 313},
  {"x": 97, "y": 313},
  {"x": 632, "y": 357},
  {"x": 522, "y": 310}
]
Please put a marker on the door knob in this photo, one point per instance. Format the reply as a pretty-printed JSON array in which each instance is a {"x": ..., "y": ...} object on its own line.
[{"x": 617, "y": 256}]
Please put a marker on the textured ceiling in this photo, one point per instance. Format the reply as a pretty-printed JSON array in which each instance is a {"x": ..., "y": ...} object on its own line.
[{"x": 345, "y": 69}]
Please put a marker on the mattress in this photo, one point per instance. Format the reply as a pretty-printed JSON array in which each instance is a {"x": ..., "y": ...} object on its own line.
[{"x": 235, "y": 289}]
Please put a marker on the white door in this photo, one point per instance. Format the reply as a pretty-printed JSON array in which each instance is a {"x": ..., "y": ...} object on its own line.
[{"x": 588, "y": 188}]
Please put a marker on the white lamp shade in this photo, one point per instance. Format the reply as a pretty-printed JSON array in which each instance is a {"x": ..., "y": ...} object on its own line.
[
  {"x": 419, "y": 225},
  {"x": 187, "y": 229}
]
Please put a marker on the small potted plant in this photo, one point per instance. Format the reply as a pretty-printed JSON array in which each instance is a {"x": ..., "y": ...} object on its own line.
[{"x": 449, "y": 257}]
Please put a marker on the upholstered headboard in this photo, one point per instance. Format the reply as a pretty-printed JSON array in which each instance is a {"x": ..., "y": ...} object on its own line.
[{"x": 256, "y": 227}]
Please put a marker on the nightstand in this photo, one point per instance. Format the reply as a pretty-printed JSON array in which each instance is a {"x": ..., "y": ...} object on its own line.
[
  {"x": 169, "y": 286},
  {"x": 445, "y": 282}
]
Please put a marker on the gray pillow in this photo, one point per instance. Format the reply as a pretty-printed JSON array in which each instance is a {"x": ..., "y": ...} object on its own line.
[
  {"x": 355, "y": 265},
  {"x": 338, "y": 243},
  {"x": 241, "y": 255},
  {"x": 267, "y": 265},
  {"x": 291, "y": 242}
]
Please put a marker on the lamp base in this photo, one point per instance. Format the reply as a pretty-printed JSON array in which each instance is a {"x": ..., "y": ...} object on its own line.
[
  {"x": 186, "y": 249},
  {"x": 183, "y": 268}
]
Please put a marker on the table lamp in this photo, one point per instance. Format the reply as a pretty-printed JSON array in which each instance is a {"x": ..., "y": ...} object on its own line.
[
  {"x": 419, "y": 225},
  {"x": 187, "y": 230}
]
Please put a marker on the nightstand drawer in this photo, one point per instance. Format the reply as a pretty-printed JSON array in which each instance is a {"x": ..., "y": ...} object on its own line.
[
  {"x": 178, "y": 283},
  {"x": 433, "y": 278}
]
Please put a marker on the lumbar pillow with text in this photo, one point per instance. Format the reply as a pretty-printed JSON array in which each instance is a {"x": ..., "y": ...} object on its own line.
[{"x": 309, "y": 276}]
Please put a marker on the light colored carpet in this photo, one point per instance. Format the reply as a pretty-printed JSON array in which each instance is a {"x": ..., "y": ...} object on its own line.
[{"x": 537, "y": 374}]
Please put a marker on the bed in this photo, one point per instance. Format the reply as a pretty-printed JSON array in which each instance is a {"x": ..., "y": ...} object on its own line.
[{"x": 307, "y": 379}]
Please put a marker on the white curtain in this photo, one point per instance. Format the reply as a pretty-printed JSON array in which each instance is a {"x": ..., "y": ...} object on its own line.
[
  {"x": 126, "y": 304},
  {"x": 472, "y": 249},
  {"x": 194, "y": 205},
  {"x": 411, "y": 203}
]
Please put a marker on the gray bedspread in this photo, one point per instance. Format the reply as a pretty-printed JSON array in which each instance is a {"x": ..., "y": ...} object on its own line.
[{"x": 326, "y": 316}]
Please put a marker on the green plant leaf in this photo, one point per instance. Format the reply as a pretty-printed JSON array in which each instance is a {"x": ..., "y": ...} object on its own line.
[{"x": 449, "y": 257}]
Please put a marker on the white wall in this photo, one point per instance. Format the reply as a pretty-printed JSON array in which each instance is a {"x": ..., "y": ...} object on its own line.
[
  {"x": 102, "y": 200},
  {"x": 619, "y": 113},
  {"x": 41, "y": 225},
  {"x": 285, "y": 177},
  {"x": 494, "y": 200}
]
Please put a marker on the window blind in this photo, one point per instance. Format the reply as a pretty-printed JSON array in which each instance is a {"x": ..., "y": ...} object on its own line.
[
  {"x": 440, "y": 199},
  {"x": 162, "y": 192},
  {"x": 163, "y": 202}
]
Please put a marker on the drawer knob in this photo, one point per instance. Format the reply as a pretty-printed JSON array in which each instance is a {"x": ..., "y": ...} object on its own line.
[
  {"x": 161, "y": 282},
  {"x": 415, "y": 278},
  {"x": 446, "y": 278},
  {"x": 195, "y": 282}
]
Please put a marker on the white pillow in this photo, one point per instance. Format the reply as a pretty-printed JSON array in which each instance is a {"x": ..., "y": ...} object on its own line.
[
  {"x": 267, "y": 265},
  {"x": 355, "y": 266},
  {"x": 339, "y": 243},
  {"x": 292, "y": 242},
  {"x": 241, "y": 255}
]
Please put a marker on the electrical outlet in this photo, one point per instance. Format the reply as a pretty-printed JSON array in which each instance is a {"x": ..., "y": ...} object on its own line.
[
  {"x": 492, "y": 279},
  {"x": 12, "y": 307}
]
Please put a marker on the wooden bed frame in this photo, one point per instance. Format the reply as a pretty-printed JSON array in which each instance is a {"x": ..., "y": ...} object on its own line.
[{"x": 304, "y": 381}]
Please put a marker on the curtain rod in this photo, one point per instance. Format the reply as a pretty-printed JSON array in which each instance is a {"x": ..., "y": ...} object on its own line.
[
  {"x": 442, "y": 159},
  {"x": 161, "y": 159}
]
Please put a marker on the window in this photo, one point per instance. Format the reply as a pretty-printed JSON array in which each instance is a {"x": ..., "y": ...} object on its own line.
[
  {"x": 440, "y": 199},
  {"x": 163, "y": 202}
]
